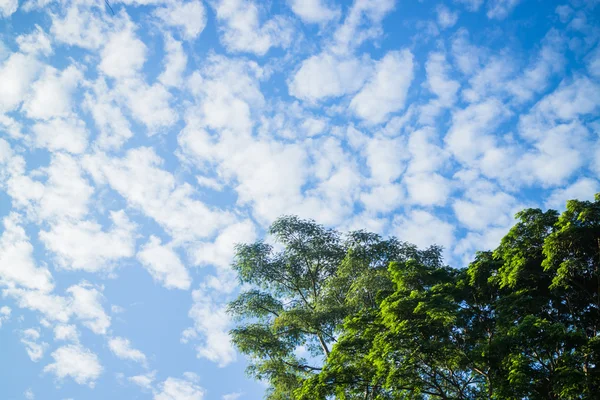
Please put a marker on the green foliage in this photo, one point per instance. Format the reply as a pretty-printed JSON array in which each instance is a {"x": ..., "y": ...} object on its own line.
[{"x": 381, "y": 319}]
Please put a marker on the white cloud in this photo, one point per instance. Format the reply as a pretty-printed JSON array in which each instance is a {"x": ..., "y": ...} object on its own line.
[
  {"x": 51, "y": 94},
  {"x": 36, "y": 42},
  {"x": 16, "y": 75},
  {"x": 557, "y": 155},
  {"x": 568, "y": 101},
  {"x": 61, "y": 134},
  {"x": 471, "y": 5},
  {"x": 362, "y": 22},
  {"x": 54, "y": 308},
  {"x": 29, "y": 395},
  {"x": 143, "y": 381},
  {"x": 467, "y": 57},
  {"x": 445, "y": 17},
  {"x": 8, "y": 7},
  {"x": 17, "y": 265},
  {"x": 212, "y": 323},
  {"x": 326, "y": 75},
  {"x": 427, "y": 189},
  {"x": 163, "y": 263},
  {"x": 85, "y": 245},
  {"x": 209, "y": 183},
  {"x": 582, "y": 189},
  {"x": 86, "y": 305},
  {"x": 114, "y": 127},
  {"x": 66, "y": 332},
  {"x": 175, "y": 63},
  {"x": 228, "y": 94},
  {"x": 179, "y": 389},
  {"x": 5, "y": 312},
  {"x": 66, "y": 192},
  {"x": 140, "y": 180},
  {"x": 123, "y": 55},
  {"x": 242, "y": 31},
  {"x": 121, "y": 347},
  {"x": 386, "y": 91},
  {"x": 470, "y": 134},
  {"x": 314, "y": 11},
  {"x": 426, "y": 154},
  {"x": 440, "y": 84},
  {"x": 484, "y": 206},
  {"x": 76, "y": 362},
  {"x": 149, "y": 104},
  {"x": 219, "y": 252},
  {"x": 232, "y": 396},
  {"x": 564, "y": 12},
  {"x": 593, "y": 62},
  {"x": 384, "y": 157},
  {"x": 35, "y": 350},
  {"x": 500, "y": 9},
  {"x": 79, "y": 26},
  {"x": 383, "y": 198},
  {"x": 548, "y": 62},
  {"x": 188, "y": 17},
  {"x": 423, "y": 229}
]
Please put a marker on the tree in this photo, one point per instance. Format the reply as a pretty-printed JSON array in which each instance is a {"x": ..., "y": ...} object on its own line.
[
  {"x": 299, "y": 296},
  {"x": 383, "y": 320}
]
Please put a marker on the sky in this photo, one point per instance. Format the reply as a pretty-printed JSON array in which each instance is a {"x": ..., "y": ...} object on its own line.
[{"x": 140, "y": 140}]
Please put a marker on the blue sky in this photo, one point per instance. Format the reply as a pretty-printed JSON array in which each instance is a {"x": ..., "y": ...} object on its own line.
[{"x": 137, "y": 148}]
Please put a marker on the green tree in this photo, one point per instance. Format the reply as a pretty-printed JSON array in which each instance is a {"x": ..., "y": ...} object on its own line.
[
  {"x": 383, "y": 320},
  {"x": 299, "y": 295}
]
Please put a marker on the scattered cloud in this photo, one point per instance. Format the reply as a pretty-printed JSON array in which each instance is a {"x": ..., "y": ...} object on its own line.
[
  {"x": 179, "y": 389},
  {"x": 76, "y": 362},
  {"x": 164, "y": 265},
  {"x": 121, "y": 348}
]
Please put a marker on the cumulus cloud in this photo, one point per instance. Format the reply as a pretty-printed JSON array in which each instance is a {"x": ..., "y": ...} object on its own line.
[
  {"x": 77, "y": 25},
  {"x": 144, "y": 381},
  {"x": 424, "y": 229},
  {"x": 17, "y": 265},
  {"x": 140, "y": 180},
  {"x": 103, "y": 104},
  {"x": 66, "y": 332},
  {"x": 76, "y": 362},
  {"x": 581, "y": 189},
  {"x": 16, "y": 73},
  {"x": 212, "y": 324},
  {"x": 445, "y": 17},
  {"x": 86, "y": 305},
  {"x": 187, "y": 17},
  {"x": 58, "y": 134},
  {"x": 314, "y": 11},
  {"x": 242, "y": 30},
  {"x": 36, "y": 42},
  {"x": 326, "y": 75},
  {"x": 500, "y": 9},
  {"x": 386, "y": 91},
  {"x": 164, "y": 264},
  {"x": 123, "y": 55},
  {"x": 219, "y": 252},
  {"x": 8, "y": 7},
  {"x": 35, "y": 350},
  {"x": 175, "y": 63},
  {"x": 179, "y": 389},
  {"x": 5, "y": 312},
  {"x": 51, "y": 95},
  {"x": 85, "y": 245},
  {"x": 121, "y": 348}
]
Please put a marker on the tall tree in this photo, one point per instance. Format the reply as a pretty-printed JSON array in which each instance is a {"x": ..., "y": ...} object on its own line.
[
  {"x": 300, "y": 293},
  {"x": 383, "y": 320}
]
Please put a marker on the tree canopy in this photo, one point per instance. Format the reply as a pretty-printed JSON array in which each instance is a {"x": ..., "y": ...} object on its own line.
[{"x": 356, "y": 316}]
